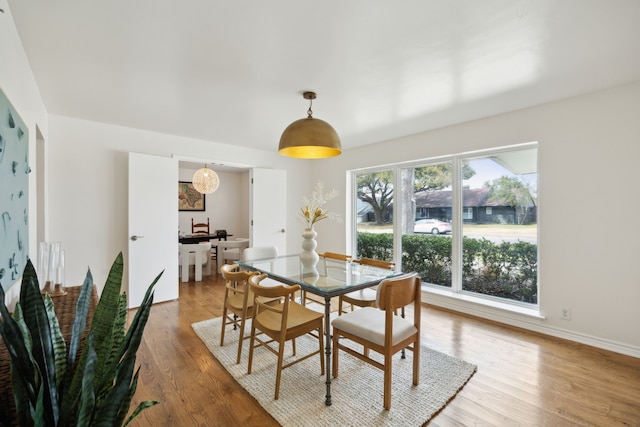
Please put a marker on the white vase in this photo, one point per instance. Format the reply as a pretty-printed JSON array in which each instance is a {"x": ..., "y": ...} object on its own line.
[{"x": 309, "y": 258}]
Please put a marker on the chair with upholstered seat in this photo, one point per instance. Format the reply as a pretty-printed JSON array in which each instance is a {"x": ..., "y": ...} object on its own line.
[
  {"x": 380, "y": 330},
  {"x": 262, "y": 255},
  {"x": 232, "y": 249},
  {"x": 281, "y": 323},
  {"x": 200, "y": 228},
  {"x": 196, "y": 254},
  {"x": 238, "y": 302},
  {"x": 364, "y": 297}
]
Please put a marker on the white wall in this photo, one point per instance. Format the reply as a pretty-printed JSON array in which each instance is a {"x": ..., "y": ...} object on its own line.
[
  {"x": 88, "y": 185},
  {"x": 227, "y": 208},
  {"x": 18, "y": 84},
  {"x": 589, "y": 148}
]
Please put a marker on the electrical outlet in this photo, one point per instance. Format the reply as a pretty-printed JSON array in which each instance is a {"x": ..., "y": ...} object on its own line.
[{"x": 565, "y": 313}]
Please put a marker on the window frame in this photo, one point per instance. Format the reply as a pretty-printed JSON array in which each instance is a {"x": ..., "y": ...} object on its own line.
[{"x": 457, "y": 211}]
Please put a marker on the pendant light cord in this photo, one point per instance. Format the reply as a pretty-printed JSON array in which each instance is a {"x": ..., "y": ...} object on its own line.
[{"x": 309, "y": 112}]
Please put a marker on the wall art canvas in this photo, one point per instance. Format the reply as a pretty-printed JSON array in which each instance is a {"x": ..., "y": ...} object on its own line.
[
  {"x": 14, "y": 193},
  {"x": 189, "y": 199}
]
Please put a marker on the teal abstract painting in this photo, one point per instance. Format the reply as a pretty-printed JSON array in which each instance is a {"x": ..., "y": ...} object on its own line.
[{"x": 14, "y": 193}]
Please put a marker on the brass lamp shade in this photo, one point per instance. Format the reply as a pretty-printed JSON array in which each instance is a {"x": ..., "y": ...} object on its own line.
[{"x": 310, "y": 138}]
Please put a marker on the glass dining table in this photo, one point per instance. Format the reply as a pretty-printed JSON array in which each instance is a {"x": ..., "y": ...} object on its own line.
[{"x": 330, "y": 278}]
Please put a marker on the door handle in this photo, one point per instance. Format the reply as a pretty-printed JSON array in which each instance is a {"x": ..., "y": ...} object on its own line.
[
  {"x": 134, "y": 238},
  {"x": 282, "y": 231}
]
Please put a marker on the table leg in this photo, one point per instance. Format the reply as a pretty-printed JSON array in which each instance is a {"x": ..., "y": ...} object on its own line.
[
  {"x": 198, "y": 266},
  {"x": 327, "y": 347},
  {"x": 184, "y": 260}
]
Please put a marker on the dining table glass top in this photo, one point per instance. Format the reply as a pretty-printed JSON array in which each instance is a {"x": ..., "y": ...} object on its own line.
[{"x": 330, "y": 277}]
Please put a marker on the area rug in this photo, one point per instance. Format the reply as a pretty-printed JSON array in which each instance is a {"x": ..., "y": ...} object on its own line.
[{"x": 356, "y": 394}]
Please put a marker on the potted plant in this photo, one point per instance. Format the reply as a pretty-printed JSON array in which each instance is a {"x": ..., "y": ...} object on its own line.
[{"x": 87, "y": 385}]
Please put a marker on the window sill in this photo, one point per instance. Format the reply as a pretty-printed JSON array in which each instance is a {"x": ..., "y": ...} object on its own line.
[{"x": 473, "y": 305}]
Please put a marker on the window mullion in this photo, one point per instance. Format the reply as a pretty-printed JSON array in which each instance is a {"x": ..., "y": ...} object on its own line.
[{"x": 456, "y": 223}]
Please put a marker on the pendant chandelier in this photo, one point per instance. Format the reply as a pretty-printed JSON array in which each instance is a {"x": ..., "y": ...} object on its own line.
[
  {"x": 309, "y": 138},
  {"x": 205, "y": 180}
]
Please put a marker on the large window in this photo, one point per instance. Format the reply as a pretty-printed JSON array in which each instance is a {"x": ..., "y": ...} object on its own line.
[
  {"x": 467, "y": 223},
  {"x": 374, "y": 214}
]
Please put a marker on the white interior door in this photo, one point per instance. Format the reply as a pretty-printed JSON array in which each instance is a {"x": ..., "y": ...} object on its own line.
[
  {"x": 153, "y": 227},
  {"x": 268, "y": 208}
]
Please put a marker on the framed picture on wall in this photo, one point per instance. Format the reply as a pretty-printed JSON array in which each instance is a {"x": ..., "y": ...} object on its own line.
[
  {"x": 14, "y": 193},
  {"x": 188, "y": 197}
]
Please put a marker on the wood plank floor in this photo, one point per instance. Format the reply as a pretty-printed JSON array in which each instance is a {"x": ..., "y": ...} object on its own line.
[{"x": 523, "y": 378}]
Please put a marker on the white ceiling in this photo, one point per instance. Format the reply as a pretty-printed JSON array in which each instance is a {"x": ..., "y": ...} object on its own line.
[{"x": 233, "y": 71}]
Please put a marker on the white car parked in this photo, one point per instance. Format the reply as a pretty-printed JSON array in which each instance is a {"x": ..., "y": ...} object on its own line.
[{"x": 432, "y": 226}]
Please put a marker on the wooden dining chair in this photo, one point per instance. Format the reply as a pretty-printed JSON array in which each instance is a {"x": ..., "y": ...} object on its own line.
[
  {"x": 238, "y": 301},
  {"x": 200, "y": 228},
  {"x": 364, "y": 297},
  {"x": 335, "y": 270},
  {"x": 281, "y": 323},
  {"x": 380, "y": 330}
]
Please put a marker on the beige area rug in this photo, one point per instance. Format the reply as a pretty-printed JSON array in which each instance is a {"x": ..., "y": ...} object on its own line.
[{"x": 356, "y": 394}]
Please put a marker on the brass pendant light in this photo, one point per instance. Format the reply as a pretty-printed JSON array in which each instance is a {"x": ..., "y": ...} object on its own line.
[
  {"x": 310, "y": 138},
  {"x": 205, "y": 180}
]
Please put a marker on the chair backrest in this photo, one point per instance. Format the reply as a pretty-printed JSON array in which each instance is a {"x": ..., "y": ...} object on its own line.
[
  {"x": 259, "y": 252},
  {"x": 333, "y": 255},
  {"x": 262, "y": 294},
  {"x": 237, "y": 281},
  {"x": 335, "y": 270},
  {"x": 200, "y": 228},
  {"x": 399, "y": 291},
  {"x": 376, "y": 263}
]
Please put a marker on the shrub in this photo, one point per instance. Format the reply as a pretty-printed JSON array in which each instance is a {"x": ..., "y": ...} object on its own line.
[{"x": 507, "y": 270}]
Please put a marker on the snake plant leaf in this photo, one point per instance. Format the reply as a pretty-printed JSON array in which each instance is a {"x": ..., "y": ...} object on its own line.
[
  {"x": 131, "y": 343},
  {"x": 35, "y": 316},
  {"x": 24, "y": 404},
  {"x": 107, "y": 413},
  {"x": 80, "y": 320},
  {"x": 134, "y": 334},
  {"x": 112, "y": 354},
  {"x": 126, "y": 402},
  {"x": 141, "y": 407},
  {"x": 87, "y": 395},
  {"x": 16, "y": 346},
  {"x": 101, "y": 327},
  {"x": 59, "y": 345}
]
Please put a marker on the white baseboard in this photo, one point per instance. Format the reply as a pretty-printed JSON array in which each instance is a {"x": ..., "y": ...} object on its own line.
[{"x": 519, "y": 317}]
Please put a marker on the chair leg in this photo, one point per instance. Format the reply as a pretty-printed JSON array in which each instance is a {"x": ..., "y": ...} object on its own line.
[
  {"x": 388, "y": 360},
  {"x": 279, "y": 368},
  {"x": 252, "y": 340},
  {"x": 240, "y": 339},
  {"x": 321, "y": 343},
  {"x": 416, "y": 362},
  {"x": 224, "y": 324},
  {"x": 334, "y": 356}
]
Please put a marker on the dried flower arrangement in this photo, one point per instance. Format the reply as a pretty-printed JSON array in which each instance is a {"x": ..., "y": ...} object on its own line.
[{"x": 313, "y": 211}]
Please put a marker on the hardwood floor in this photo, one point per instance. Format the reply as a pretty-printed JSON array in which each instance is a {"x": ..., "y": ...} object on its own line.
[{"x": 523, "y": 378}]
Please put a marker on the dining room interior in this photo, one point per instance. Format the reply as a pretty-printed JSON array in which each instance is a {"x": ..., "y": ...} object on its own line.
[{"x": 402, "y": 87}]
